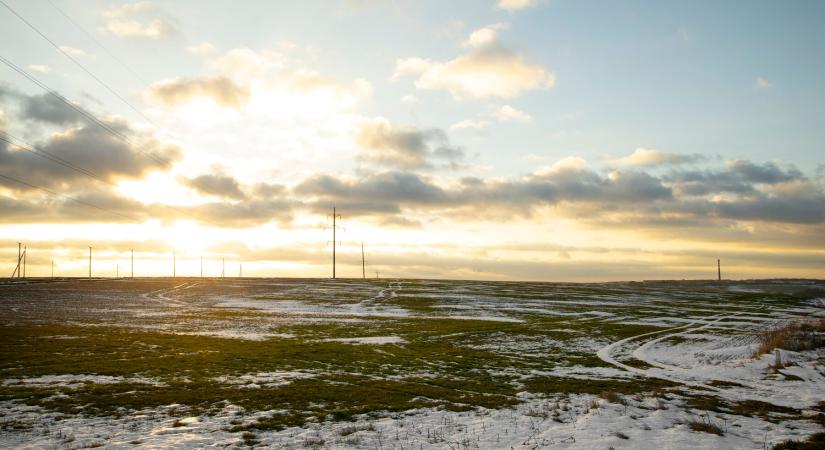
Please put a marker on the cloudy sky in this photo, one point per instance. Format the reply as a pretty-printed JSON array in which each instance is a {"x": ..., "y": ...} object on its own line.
[{"x": 488, "y": 139}]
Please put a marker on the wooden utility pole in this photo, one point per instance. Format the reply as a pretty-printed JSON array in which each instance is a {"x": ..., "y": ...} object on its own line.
[
  {"x": 363, "y": 264},
  {"x": 117, "y": 270},
  {"x": 201, "y": 266},
  {"x": 24, "y": 261},
  {"x": 133, "y": 263},
  {"x": 719, "y": 269},
  {"x": 174, "y": 265},
  {"x": 335, "y": 217},
  {"x": 19, "y": 258},
  {"x": 90, "y": 262},
  {"x": 240, "y": 270},
  {"x": 223, "y": 267},
  {"x": 52, "y": 268}
]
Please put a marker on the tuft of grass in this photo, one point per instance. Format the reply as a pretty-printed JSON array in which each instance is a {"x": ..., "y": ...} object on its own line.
[
  {"x": 612, "y": 397},
  {"x": 706, "y": 425},
  {"x": 814, "y": 442},
  {"x": 621, "y": 435},
  {"x": 352, "y": 429},
  {"x": 796, "y": 335}
]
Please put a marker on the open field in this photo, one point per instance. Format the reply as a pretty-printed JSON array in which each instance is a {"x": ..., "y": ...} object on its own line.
[{"x": 404, "y": 364}]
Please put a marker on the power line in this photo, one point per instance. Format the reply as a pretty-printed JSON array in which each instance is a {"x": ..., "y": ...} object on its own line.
[
  {"x": 50, "y": 156},
  {"x": 78, "y": 63},
  {"x": 49, "y": 191},
  {"x": 99, "y": 44},
  {"x": 81, "y": 111},
  {"x": 101, "y": 124}
]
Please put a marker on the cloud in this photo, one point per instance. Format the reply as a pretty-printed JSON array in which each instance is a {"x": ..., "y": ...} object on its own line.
[
  {"x": 216, "y": 184},
  {"x": 71, "y": 51},
  {"x": 651, "y": 157},
  {"x": 91, "y": 148},
  {"x": 137, "y": 21},
  {"x": 41, "y": 68},
  {"x": 48, "y": 108},
  {"x": 515, "y": 5},
  {"x": 219, "y": 89},
  {"x": 409, "y": 100},
  {"x": 406, "y": 147},
  {"x": 202, "y": 49},
  {"x": 762, "y": 83},
  {"x": 489, "y": 70},
  {"x": 468, "y": 124},
  {"x": 508, "y": 113}
]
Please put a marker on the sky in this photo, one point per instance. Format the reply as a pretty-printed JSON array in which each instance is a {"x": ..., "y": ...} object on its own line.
[{"x": 544, "y": 140}]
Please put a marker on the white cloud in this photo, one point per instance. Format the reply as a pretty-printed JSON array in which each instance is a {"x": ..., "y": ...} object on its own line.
[
  {"x": 72, "y": 51},
  {"x": 409, "y": 99},
  {"x": 202, "y": 49},
  {"x": 153, "y": 30},
  {"x": 515, "y": 5},
  {"x": 485, "y": 36},
  {"x": 39, "y": 68},
  {"x": 489, "y": 70},
  {"x": 566, "y": 164},
  {"x": 762, "y": 83},
  {"x": 137, "y": 21},
  {"x": 468, "y": 124},
  {"x": 651, "y": 157},
  {"x": 507, "y": 113}
]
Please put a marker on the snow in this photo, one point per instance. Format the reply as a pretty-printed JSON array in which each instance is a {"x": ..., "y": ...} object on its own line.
[
  {"x": 571, "y": 422},
  {"x": 373, "y": 340}
]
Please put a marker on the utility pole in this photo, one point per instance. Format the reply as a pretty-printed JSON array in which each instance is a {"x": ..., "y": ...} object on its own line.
[
  {"x": 19, "y": 258},
  {"x": 363, "y": 264},
  {"x": 174, "y": 265},
  {"x": 240, "y": 270},
  {"x": 719, "y": 269},
  {"x": 133, "y": 264},
  {"x": 117, "y": 270},
  {"x": 90, "y": 262},
  {"x": 52, "y": 268},
  {"x": 201, "y": 266},
  {"x": 223, "y": 267},
  {"x": 376, "y": 274},
  {"x": 24, "y": 261},
  {"x": 335, "y": 217}
]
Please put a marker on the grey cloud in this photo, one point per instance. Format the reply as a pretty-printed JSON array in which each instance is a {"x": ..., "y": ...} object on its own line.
[
  {"x": 767, "y": 173},
  {"x": 220, "y": 89},
  {"x": 215, "y": 184},
  {"x": 92, "y": 148},
  {"x": 405, "y": 147},
  {"x": 48, "y": 108}
]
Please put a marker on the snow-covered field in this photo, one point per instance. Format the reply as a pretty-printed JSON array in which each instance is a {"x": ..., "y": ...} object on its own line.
[{"x": 404, "y": 364}]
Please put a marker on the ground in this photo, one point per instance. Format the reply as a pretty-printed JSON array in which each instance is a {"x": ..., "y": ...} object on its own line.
[{"x": 404, "y": 364}]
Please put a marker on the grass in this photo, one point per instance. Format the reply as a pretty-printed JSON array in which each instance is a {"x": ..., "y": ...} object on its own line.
[
  {"x": 706, "y": 426},
  {"x": 110, "y": 328},
  {"x": 798, "y": 335},
  {"x": 814, "y": 442}
]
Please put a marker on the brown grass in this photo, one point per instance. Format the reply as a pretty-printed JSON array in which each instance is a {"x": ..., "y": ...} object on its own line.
[
  {"x": 706, "y": 426},
  {"x": 799, "y": 335}
]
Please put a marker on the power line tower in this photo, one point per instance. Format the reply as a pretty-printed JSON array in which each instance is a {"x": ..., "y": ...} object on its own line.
[
  {"x": 335, "y": 243},
  {"x": 363, "y": 263},
  {"x": 16, "y": 272}
]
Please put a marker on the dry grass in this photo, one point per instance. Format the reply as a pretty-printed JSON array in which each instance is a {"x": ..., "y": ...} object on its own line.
[
  {"x": 706, "y": 426},
  {"x": 798, "y": 335}
]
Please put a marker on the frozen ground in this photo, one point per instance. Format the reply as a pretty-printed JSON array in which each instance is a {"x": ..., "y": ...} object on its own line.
[{"x": 406, "y": 364}]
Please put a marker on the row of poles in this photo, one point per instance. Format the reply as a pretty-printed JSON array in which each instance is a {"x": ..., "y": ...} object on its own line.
[{"x": 20, "y": 269}]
